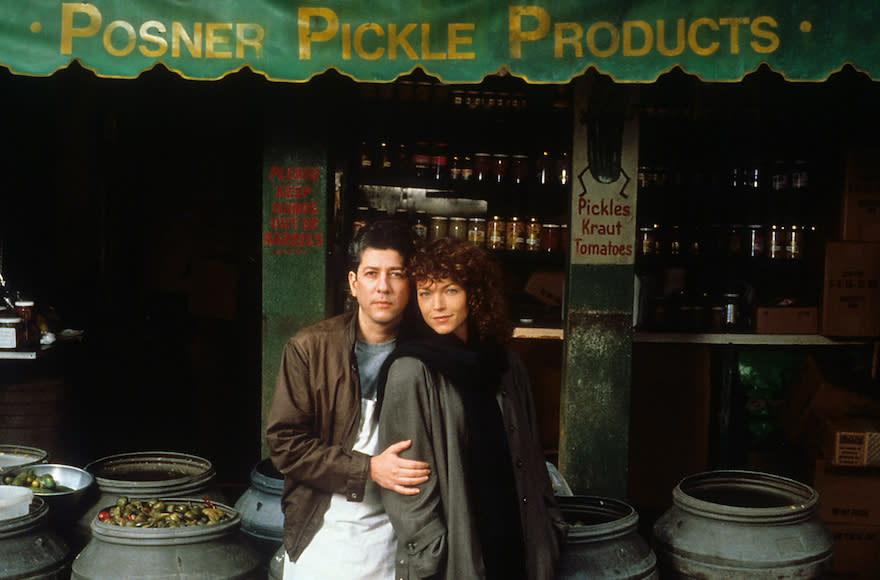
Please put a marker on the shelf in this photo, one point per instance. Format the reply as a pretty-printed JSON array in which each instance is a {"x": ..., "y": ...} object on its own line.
[
  {"x": 743, "y": 339},
  {"x": 536, "y": 332},
  {"x": 705, "y": 338},
  {"x": 25, "y": 354}
]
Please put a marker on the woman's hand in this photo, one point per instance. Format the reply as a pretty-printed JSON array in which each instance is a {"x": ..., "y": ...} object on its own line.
[{"x": 393, "y": 472}]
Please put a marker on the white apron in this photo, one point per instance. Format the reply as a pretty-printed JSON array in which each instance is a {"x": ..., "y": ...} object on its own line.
[{"x": 356, "y": 541}]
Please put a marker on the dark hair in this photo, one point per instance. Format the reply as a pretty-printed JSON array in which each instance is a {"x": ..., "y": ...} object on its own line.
[
  {"x": 381, "y": 234},
  {"x": 479, "y": 275}
]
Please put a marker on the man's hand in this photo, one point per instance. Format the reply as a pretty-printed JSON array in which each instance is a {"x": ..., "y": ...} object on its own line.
[{"x": 393, "y": 472}]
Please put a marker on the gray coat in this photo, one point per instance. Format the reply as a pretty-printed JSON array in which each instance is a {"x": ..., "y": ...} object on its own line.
[{"x": 436, "y": 532}]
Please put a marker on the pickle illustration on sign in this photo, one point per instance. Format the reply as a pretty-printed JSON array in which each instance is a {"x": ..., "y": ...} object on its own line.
[{"x": 603, "y": 211}]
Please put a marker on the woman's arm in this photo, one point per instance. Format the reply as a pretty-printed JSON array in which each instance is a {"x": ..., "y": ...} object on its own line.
[{"x": 408, "y": 408}]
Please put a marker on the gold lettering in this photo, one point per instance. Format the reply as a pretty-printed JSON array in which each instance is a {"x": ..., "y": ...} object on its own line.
[
  {"x": 396, "y": 39},
  {"x": 346, "y": 41},
  {"x": 516, "y": 35},
  {"x": 214, "y": 36},
  {"x": 129, "y": 32},
  {"x": 679, "y": 38},
  {"x": 426, "y": 45},
  {"x": 692, "y": 36},
  {"x": 613, "y": 45},
  {"x": 243, "y": 39},
  {"x": 306, "y": 36},
  {"x": 159, "y": 41},
  {"x": 69, "y": 11},
  {"x": 454, "y": 39},
  {"x": 359, "y": 45},
  {"x": 758, "y": 31},
  {"x": 734, "y": 31},
  {"x": 647, "y": 33},
  {"x": 560, "y": 39},
  {"x": 193, "y": 45}
]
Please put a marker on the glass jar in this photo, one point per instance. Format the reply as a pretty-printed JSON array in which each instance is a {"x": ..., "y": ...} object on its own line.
[
  {"x": 361, "y": 214},
  {"x": 515, "y": 234},
  {"x": 439, "y": 162},
  {"x": 10, "y": 331},
  {"x": 647, "y": 241},
  {"x": 519, "y": 169},
  {"x": 420, "y": 224},
  {"x": 482, "y": 168},
  {"x": 550, "y": 237},
  {"x": 755, "y": 241},
  {"x": 458, "y": 228},
  {"x": 477, "y": 231},
  {"x": 496, "y": 232},
  {"x": 777, "y": 242},
  {"x": 731, "y": 312},
  {"x": 421, "y": 160},
  {"x": 24, "y": 309},
  {"x": 533, "y": 235},
  {"x": 439, "y": 227},
  {"x": 794, "y": 243},
  {"x": 500, "y": 168}
]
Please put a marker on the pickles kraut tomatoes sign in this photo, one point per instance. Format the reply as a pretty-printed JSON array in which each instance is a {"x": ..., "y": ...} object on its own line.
[{"x": 542, "y": 41}]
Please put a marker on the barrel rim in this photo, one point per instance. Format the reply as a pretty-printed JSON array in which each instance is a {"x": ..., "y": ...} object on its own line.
[
  {"x": 114, "y": 534},
  {"x": 796, "y": 509},
  {"x": 625, "y": 520},
  {"x": 37, "y": 513},
  {"x": 199, "y": 477},
  {"x": 39, "y": 455}
]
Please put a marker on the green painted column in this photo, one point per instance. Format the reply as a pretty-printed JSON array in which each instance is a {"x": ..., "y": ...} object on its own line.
[
  {"x": 595, "y": 391},
  {"x": 295, "y": 286}
]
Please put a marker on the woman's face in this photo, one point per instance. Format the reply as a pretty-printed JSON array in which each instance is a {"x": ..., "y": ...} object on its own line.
[{"x": 443, "y": 305}]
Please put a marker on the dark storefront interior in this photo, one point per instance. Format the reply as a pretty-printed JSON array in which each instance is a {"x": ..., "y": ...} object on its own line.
[{"x": 131, "y": 211}]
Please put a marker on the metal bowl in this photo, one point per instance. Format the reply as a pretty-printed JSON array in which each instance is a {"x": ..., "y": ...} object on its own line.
[{"x": 65, "y": 505}]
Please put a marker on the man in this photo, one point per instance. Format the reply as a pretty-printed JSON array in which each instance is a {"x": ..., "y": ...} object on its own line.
[{"x": 321, "y": 433}]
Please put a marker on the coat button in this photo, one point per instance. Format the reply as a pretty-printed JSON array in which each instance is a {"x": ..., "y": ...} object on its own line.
[
  {"x": 525, "y": 500},
  {"x": 519, "y": 462}
]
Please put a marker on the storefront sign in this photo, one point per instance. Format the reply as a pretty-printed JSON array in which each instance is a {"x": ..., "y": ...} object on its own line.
[{"x": 542, "y": 41}]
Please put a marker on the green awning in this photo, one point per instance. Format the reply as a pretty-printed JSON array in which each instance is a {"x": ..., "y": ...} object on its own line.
[{"x": 544, "y": 41}]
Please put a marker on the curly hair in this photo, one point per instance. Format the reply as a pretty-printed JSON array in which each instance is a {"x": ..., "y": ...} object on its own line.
[{"x": 479, "y": 275}]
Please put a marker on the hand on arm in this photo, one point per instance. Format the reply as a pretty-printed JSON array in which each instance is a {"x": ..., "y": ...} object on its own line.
[{"x": 396, "y": 473}]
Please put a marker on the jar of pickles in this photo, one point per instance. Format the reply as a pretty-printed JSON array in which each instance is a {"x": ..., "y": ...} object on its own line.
[
  {"x": 496, "y": 233},
  {"x": 476, "y": 231},
  {"x": 458, "y": 228},
  {"x": 420, "y": 224},
  {"x": 533, "y": 235},
  {"x": 515, "y": 234},
  {"x": 439, "y": 227}
]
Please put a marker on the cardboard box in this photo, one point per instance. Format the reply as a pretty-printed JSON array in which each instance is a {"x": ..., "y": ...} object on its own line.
[
  {"x": 847, "y": 495},
  {"x": 852, "y": 441},
  {"x": 786, "y": 320},
  {"x": 824, "y": 390},
  {"x": 851, "y": 290},
  {"x": 856, "y": 551},
  {"x": 860, "y": 211},
  {"x": 547, "y": 286}
]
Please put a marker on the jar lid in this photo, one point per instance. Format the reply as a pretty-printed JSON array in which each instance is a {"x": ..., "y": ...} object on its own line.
[
  {"x": 457, "y": 218},
  {"x": 477, "y": 219},
  {"x": 24, "y": 303},
  {"x": 10, "y": 319},
  {"x": 549, "y": 225}
]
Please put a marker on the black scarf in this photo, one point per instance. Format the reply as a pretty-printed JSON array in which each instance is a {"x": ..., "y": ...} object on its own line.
[{"x": 476, "y": 370}]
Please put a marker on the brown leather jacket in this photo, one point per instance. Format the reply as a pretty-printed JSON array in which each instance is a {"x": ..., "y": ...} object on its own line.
[{"x": 312, "y": 426}]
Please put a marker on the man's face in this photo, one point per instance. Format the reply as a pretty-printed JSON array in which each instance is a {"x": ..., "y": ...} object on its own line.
[{"x": 381, "y": 288}]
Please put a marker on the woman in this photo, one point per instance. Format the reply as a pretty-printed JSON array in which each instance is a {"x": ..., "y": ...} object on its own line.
[{"x": 487, "y": 509}]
